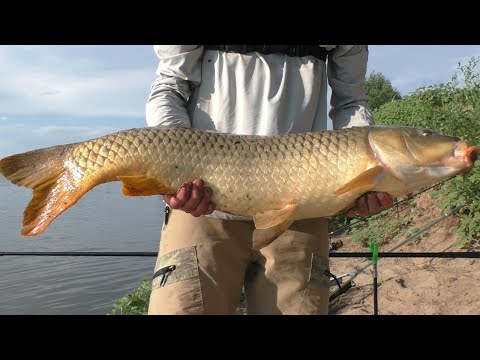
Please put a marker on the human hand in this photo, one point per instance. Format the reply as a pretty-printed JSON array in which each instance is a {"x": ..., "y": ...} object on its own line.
[
  {"x": 193, "y": 198},
  {"x": 371, "y": 203}
]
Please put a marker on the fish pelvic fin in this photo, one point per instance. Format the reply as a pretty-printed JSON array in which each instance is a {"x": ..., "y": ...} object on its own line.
[
  {"x": 54, "y": 188},
  {"x": 271, "y": 224}
]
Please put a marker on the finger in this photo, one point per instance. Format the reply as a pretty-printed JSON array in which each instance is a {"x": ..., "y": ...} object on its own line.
[
  {"x": 352, "y": 212},
  {"x": 195, "y": 197},
  {"x": 362, "y": 206},
  {"x": 386, "y": 200},
  {"x": 374, "y": 206},
  {"x": 211, "y": 208},
  {"x": 167, "y": 199},
  {"x": 202, "y": 208},
  {"x": 178, "y": 200}
]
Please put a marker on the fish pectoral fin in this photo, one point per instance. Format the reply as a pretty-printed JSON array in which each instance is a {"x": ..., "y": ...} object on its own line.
[
  {"x": 364, "y": 182},
  {"x": 271, "y": 224},
  {"x": 142, "y": 185}
]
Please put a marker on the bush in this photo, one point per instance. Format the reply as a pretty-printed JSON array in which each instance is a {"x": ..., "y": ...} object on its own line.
[
  {"x": 380, "y": 90},
  {"x": 136, "y": 302},
  {"x": 446, "y": 108}
]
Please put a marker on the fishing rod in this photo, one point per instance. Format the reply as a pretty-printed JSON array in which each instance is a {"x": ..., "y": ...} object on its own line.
[
  {"x": 449, "y": 255},
  {"x": 79, "y": 253},
  {"x": 445, "y": 255}
]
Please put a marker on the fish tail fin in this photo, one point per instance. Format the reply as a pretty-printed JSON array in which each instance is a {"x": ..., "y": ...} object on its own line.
[{"x": 54, "y": 187}]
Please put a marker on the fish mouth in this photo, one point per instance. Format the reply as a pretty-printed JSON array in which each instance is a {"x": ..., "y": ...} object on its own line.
[{"x": 467, "y": 155}]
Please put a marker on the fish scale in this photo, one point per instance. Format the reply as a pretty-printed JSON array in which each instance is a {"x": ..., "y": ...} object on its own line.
[{"x": 245, "y": 172}]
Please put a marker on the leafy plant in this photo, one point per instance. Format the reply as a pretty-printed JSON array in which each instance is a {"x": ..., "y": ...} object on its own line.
[
  {"x": 464, "y": 191},
  {"x": 378, "y": 229},
  {"x": 134, "y": 303},
  {"x": 380, "y": 90}
]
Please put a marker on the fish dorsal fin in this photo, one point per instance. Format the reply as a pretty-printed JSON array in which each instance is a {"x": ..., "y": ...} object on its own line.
[
  {"x": 364, "y": 182},
  {"x": 271, "y": 224},
  {"x": 142, "y": 185}
]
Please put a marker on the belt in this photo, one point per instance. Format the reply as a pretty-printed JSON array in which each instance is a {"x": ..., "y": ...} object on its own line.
[{"x": 289, "y": 50}]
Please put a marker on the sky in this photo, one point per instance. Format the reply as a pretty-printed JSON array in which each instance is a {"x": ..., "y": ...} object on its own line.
[{"x": 52, "y": 95}]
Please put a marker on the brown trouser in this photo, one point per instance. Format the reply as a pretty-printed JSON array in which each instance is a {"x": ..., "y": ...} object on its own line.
[{"x": 204, "y": 262}]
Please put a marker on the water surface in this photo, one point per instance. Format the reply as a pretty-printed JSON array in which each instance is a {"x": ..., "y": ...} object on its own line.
[{"x": 103, "y": 220}]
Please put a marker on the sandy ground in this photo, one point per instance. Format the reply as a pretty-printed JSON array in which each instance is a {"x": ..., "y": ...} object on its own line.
[{"x": 413, "y": 286}]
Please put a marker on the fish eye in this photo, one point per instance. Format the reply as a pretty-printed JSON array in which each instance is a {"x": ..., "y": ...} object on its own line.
[{"x": 426, "y": 133}]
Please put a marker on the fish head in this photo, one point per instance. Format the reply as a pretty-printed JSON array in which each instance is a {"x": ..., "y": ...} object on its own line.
[{"x": 421, "y": 157}]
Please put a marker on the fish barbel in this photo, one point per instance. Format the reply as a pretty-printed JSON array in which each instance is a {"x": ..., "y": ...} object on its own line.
[{"x": 273, "y": 179}]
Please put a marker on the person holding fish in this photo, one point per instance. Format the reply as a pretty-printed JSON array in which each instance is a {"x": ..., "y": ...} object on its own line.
[
  {"x": 206, "y": 256},
  {"x": 233, "y": 124},
  {"x": 240, "y": 127}
]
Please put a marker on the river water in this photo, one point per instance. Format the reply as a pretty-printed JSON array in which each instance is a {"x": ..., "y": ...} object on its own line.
[{"x": 103, "y": 220}]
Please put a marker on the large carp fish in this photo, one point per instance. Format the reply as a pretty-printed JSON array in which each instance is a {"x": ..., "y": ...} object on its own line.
[{"x": 273, "y": 179}]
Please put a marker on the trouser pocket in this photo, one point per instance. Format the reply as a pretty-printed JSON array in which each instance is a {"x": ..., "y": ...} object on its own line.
[
  {"x": 316, "y": 297},
  {"x": 176, "y": 284}
]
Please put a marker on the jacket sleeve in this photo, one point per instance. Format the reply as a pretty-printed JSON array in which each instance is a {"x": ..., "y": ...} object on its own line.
[
  {"x": 178, "y": 73},
  {"x": 346, "y": 70}
]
